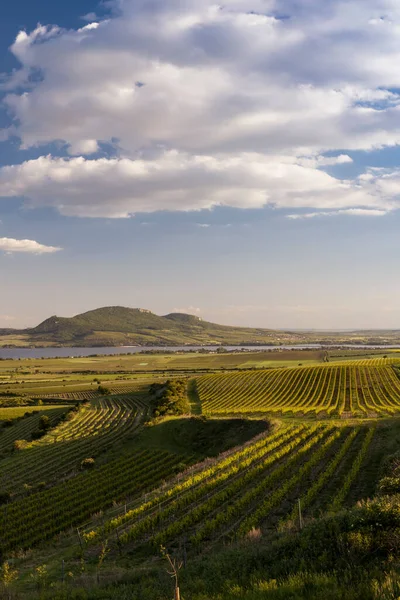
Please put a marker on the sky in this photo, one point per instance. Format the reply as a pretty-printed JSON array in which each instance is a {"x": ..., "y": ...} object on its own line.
[{"x": 238, "y": 161}]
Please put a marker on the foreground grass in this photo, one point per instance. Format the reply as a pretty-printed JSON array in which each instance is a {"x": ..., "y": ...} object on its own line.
[{"x": 350, "y": 556}]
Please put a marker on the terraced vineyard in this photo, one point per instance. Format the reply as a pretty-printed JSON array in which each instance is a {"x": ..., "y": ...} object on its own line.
[
  {"x": 96, "y": 427},
  {"x": 47, "y": 488},
  {"x": 23, "y": 429},
  {"x": 256, "y": 486},
  {"x": 363, "y": 389}
]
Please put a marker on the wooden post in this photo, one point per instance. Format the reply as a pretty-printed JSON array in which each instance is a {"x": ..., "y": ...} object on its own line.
[
  {"x": 177, "y": 594},
  {"x": 119, "y": 544},
  {"x": 80, "y": 539},
  {"x": 300, "y": 516},
  {"x": 184, "y": 553},
  {"x": 63, "y": 571}
]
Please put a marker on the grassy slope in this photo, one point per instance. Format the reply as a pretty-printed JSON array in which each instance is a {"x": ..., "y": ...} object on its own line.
[
  {"x": 199, "y": 436},
  {"x": 116, "y": 325}
]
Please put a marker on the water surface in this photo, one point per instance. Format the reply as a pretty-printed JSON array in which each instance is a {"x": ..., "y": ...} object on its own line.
[{"x": 18, "y": 353}]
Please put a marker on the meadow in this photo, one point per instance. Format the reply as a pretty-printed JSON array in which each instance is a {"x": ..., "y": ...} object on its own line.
[{"x": 94, "y": 484}]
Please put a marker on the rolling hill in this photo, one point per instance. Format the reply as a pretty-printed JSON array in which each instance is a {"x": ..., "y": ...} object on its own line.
[
  {"x": 120, "y": 326},
  {"x": 117, "y": 325}
]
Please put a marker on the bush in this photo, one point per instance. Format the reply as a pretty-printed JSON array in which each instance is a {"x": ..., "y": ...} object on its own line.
[
  {"x": 44, "y": 423},
  {"x": 87, "y": 463},
  {"x": 103, "y": 390},
  {"x": 170, "y": 398},
  {"x": 20, "y": 445}
]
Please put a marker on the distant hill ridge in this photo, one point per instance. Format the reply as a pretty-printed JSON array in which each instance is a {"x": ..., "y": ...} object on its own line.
[
  {"x": 118, "y": 325},
  {"x": 121, "y": 326}
]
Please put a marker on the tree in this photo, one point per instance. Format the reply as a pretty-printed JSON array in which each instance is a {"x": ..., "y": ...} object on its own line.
[
  {"x": 173, "y": 570},
  {"x": 44, "y": 423},
  {"x": 103, "y": 390}
]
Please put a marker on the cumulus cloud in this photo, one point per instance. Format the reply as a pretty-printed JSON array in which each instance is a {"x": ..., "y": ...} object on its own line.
[
  {"x": 11, "y": 245},
  {"x": 207, "y": 105},
  {"x": 183, "y": 182}
]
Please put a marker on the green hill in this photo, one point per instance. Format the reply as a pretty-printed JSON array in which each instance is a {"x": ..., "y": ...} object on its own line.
[
  {"x": 117, "y": 325},
  {"x": 120, "y": 326}
]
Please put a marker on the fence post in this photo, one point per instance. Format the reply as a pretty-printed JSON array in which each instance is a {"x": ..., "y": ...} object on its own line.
[
  {"x": 80, "y": 539},
  {"x": 300, "y": 515},
  {"x": 119, "y": 544},
  {"x": 184, "y": 553}
]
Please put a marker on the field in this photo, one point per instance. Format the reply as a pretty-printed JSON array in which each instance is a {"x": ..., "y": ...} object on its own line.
[
  {"x": 267, "y": 451},
  {"x": 365, "y": 388},
  {"x": 254, "y": 487}
]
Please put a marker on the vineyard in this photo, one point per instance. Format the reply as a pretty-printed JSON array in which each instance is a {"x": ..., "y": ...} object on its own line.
[
  {"x": 41, "y": 515},
  {"x": 360, "y": 389},
  {"x": 49, "y": 491},
  {"x": 86, "y": 394},
  {"x": 96, "y": 427},
  {"x": 254, "y": 487},
  {"x": 254, "y": 454},
  {"x": 23, "y": 426}
]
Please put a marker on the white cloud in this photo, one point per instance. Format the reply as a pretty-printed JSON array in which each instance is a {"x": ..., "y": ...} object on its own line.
[
  {"x": 118, "y": 188},
  {"x": 11, "y": 245},
  {"x": 208, "y": 105},
  {"x": 90, "y": 17},
  {"x": 342, "y": 159},
  {"x": 355, "y": 212}
]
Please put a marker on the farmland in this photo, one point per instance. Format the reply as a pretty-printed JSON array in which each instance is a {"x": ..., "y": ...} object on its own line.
[
  {"x": 358, "y": 389},
  {"x": 273, "y": 444},
  {"x": 254, "y": 487}
]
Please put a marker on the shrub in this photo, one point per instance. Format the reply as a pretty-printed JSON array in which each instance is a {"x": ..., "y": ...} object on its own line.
[
  {"x": 103, "y": 390},
  {"x": 44, "y": 423},
  {"x": 87, "y": 463},
  {"x": 20, "y": 445},
  {"x": 170, "y": 398},
  {"x": 7, "y": 575}
]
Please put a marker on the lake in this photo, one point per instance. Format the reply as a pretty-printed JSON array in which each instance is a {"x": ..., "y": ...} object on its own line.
[{"x": 20, "y": 353}]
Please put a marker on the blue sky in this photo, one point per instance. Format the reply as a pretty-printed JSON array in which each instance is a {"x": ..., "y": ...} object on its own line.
[{"x": 218, "y": 160}]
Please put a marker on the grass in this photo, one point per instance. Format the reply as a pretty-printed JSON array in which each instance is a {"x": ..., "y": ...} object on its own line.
[
  {"x": 199, "y": 437},
  {"x": 18, "y": 412},
  {"x": 351, "y": 556}
]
